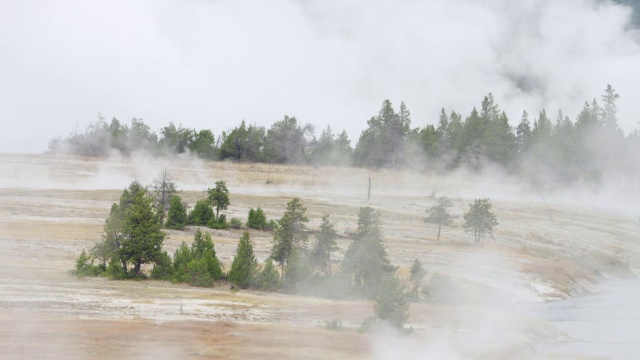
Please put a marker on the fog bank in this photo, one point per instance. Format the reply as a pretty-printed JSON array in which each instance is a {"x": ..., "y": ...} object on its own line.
[{"x": 209, "y": 64}]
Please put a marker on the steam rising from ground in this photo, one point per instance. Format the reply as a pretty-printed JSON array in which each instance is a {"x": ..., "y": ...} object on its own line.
[
  {"x": 208, "y": 64},
  {"x": 45, "y": 230}
]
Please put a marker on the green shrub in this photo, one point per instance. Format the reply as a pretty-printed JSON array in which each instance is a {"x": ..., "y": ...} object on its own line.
[
  {"x": 257, "y": 219},
  {"x": 244, "y": 266},
  {"x": 177, "y": 217},
  {"x": 201, "y": 213},
  {"x": 85, "y": 267},
  {"x": 391, "y": 304},
  {"x": 268, "y": 279},
  {"x": 235, "y": 223},
  {"x": 181, "y": 258},
  {"x": 115, "y": 270},
  {"x": 197, "y": 265},
  {"x": 197, "y": 273},
  {"x": 163, "y": 268},
  {"x": 82, "y": 263},
  {"x": 220, "y": 224},
  {"x": 271, "y": 225}
]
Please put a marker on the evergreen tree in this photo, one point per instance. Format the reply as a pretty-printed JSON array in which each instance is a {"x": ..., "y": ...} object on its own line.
[
  {"x": 523, "y": 134},
  {"x": 439, "y": 215},
  {"x": 610, "y": 110},
  {"x": 219, "y": 197},
  {"x": 201, "y": 213},
  {"x": 479, "y": 219},
  {"x": 366, "y": 258},
  {"x": 455, "y": 134},
  {"x": 297, "y": 271},
  {"x": 473, "y": 146},
  {"x": 287, "y": 142},
  {"x": 177, "y": 216},
  {"x": 112, "y": 238},
  {"x": 542, "y": 128},
  {"x": 268, "y": 278},
  {"x": 110, "y": 249},
  {"x": 565, "y": 149},
  {"x": 501, "y": 141},
  {"x": 381, "y": 144},
  {"x": 163, "y": 268},
  {"x": 325, "y": 245},
  {"x": 143, "y": 235},
  {"x": 181, "y": 258},
  {"x": 391, "y": 305},
  {"x": 428, "y": 138},
  {"x": 203, "y": 144},
  {"x": 444, "y": 145},
  {"x": 342, "y": 151},
  {"x": 418, "y": 274},
  {"x": 244, "y": 266},
  {"x": 244, "y": 143},
  {"x": 290, "y": 233},
  {"x": 257, "y": 219}
]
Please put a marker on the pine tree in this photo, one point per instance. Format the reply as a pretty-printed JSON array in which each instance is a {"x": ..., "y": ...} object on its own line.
[
  {"x": 111, "y": 238},
  {"x": 177, "y": 216},
  {"x": 201, "y": 213},
  {"x": 366, "y": 258},
  {"x": 219, "y": 197},
  {"x": 439, "y": 215},
  {"x": 118, "y": 227},
  {"x": 391, "y": 305},
  {"x": 268, "y": 278},
  {"x": 297, "y": 271},
  {"x": 542, "y": 128},
  {"x": 290, "y": 233},
  {"x": 244, "y": 266},
  {"x": 181, "y": 258},
  {"x": 523, "y": 134},
  {"x": 163, "y": 268},
  {"x": 257, "y": 219},
  {"x": 143, "y": 235},
  {"x": 417, "y": 274},
  {"x": 325, "y": 245},
  {"x": 610, "y": 110},
  {"x": 479, "y": 219}
]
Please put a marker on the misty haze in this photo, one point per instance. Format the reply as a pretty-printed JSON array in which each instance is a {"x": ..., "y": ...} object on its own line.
[{"x": 304, "y": 179}]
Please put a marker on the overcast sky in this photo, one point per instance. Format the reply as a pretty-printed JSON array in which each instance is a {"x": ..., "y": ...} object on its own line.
[{"x": 211, "y": 64}]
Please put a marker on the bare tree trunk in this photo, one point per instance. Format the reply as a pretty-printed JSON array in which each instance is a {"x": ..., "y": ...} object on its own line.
[
  {"x": 136, "y": 269},
  {"x": 439, "y": 227}
]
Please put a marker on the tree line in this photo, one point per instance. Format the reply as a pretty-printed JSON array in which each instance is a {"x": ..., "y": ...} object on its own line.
[
  {"x": 543, "y": 150},
  {"x": 133, "y": 236}
]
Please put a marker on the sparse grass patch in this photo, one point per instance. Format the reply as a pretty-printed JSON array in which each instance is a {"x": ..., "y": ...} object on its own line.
[{"x": 562, "y": 273}]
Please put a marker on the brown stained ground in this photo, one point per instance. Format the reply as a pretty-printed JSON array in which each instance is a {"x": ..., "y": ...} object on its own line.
[{"x": 53, "y": 207}]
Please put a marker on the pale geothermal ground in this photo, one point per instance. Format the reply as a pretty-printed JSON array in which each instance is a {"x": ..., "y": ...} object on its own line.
[{"x": 549, "y": 247}]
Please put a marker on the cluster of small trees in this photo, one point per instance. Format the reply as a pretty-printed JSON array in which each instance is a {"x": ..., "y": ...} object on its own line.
[
  {"x": 478, "y": 220},
  {"x": 196, "y": 265},
  {"x": 203, "y": 212},
  {"x": 133, "y": 237},
  {"x": 564, "y": 151}
]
